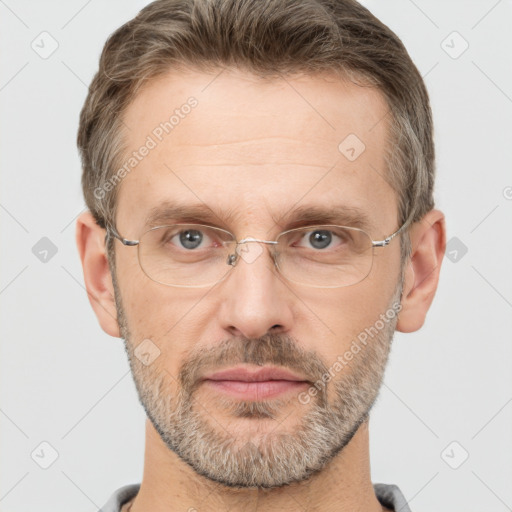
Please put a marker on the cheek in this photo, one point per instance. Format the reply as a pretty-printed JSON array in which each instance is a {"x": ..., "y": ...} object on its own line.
[
  {"x": 346, "y": 313},
  {"x": 172, "y": 318}
]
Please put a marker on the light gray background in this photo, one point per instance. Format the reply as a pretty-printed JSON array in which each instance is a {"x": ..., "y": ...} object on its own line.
[{"x": 65, "y": 382}]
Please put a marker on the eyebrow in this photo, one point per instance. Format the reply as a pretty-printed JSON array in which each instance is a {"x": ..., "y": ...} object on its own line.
[{"x": 170, "y": 212}]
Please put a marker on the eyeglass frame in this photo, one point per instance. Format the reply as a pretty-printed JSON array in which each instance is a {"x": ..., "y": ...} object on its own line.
[{"x": 131, "y": 243}]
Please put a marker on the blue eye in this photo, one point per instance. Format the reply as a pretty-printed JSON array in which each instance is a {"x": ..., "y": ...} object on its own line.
[
  {"x": 191, "y": 238},
  {"x": 320, "y": 239}
]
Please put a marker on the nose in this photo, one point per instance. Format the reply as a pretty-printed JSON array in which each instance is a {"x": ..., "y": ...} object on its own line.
[{"x": 255, "y": 300}]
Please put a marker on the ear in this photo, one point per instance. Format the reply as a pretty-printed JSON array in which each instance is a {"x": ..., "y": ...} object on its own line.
[
  {"x": 90, "y": 239},
  {"x": 428, "y": 243}
]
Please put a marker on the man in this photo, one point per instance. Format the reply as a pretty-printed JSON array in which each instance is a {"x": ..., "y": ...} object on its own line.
[{"x": 259, "y": 179}]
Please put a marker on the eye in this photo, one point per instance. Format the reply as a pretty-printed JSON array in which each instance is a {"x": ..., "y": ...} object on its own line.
[
  {"x": 190, "y": 239},
  {"x": 320, "y": 239}
]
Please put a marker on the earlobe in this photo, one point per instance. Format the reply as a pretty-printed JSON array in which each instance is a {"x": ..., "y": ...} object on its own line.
[
  {"x": 90, "y": 239},
  {"x": 428, "y": 241}
]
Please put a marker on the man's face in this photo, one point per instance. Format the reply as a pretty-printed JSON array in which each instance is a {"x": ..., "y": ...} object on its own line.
[{"x": 258, "y": 149}]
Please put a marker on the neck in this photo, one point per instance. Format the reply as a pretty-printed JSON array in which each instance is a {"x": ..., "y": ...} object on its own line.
[{"x": 169, "y": 485}]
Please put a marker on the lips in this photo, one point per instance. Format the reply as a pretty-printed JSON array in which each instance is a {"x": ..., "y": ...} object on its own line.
[
  {"x": 255, "y": 384},
  {"x": 261, "y": 374}
]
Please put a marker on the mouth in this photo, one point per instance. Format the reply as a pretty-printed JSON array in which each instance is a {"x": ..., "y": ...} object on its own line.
[{"x": 260, "y": 384}]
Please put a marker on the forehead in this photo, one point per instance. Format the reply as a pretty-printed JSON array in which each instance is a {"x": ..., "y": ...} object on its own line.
[{"x": 256, "y": 148}]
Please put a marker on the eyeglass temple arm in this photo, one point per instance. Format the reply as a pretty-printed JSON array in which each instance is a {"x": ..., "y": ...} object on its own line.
[
  {"x": 113, "y": 231},
  {"x": 386, "y": 241}
]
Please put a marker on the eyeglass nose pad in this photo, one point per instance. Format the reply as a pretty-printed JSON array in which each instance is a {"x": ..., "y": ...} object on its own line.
[{"x": 232, "y": 259}]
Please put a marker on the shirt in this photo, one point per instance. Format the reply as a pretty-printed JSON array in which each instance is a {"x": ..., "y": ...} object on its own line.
[{"x": 388, "y": 495}]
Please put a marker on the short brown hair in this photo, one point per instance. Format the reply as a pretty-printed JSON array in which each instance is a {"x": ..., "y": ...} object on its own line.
[{"x": 269, "y": 38}]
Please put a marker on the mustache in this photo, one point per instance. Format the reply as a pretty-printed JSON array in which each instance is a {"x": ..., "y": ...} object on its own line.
[{"x": 271, "y": 349}]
